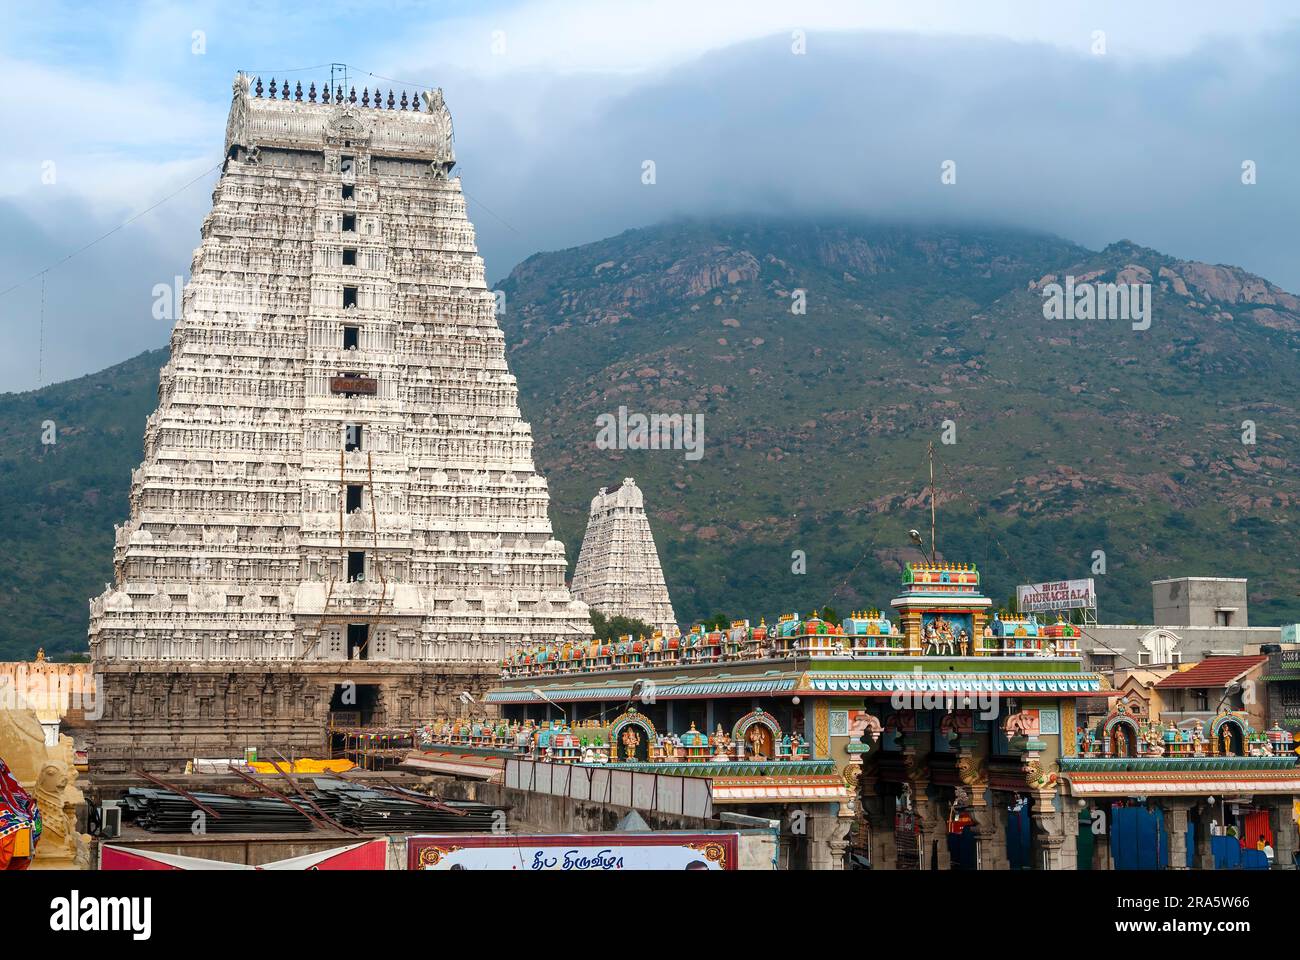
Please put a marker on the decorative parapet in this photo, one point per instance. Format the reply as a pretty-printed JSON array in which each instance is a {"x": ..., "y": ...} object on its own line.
[
  {"x": 734, "y": 768},
  {"x": 402, "y": 129},
  {"x": 1168, "y": 764}
]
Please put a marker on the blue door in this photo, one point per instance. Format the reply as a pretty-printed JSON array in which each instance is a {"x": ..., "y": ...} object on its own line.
[
  {"x": 1137, "y": 839},
  {"x": 961, "y": 849}
]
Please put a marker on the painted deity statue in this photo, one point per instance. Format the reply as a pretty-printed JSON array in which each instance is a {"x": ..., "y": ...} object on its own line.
[{"x": 631, "y": 740}]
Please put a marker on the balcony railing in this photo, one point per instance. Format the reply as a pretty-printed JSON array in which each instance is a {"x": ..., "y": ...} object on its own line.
[{"x": 829, "y": 647}]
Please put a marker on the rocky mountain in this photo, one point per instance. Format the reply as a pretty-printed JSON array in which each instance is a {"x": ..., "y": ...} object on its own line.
[{"x": 1071, "y": 435}]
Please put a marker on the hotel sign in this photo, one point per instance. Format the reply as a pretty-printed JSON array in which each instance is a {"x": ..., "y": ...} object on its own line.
[
  {"x": 1058, "y": 595},
  {"x": 365, "y": 385}
]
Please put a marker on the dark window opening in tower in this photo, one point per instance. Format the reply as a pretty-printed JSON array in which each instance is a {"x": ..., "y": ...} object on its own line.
[
  {"x": 352, "y": 437},
  {"x": 358, "y": 645},
  {"x": 349, "y": 223},
  {"x": 354, "y": 497},
  {"x": 349, "y": 297},
  {"x": 349, "y": 257},
  {"x": 351, "y": 337},
  {"x": 356, "y": 565}
]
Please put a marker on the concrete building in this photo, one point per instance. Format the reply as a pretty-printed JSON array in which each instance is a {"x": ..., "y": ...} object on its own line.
[{"x": 1193, "y": 618}]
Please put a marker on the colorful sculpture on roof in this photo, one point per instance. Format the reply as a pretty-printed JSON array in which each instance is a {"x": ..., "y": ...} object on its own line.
[{"x": 941, "y": 613}]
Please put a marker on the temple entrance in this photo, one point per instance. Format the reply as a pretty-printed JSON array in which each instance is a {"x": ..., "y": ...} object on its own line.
[{"x": 354, "y": 705}]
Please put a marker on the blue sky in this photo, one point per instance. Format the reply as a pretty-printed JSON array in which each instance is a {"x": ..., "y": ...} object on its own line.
[{"x": 557, "y": 104}]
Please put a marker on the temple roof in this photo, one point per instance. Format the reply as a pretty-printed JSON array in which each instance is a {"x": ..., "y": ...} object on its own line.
[{"x": 1212, "y": 672}]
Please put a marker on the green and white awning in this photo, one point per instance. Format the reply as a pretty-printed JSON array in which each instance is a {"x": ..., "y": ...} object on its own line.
[{"x": 958, "y": 685}]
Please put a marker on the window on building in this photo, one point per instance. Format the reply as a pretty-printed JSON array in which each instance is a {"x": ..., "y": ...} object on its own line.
[
  {"x": 1223, "y": 618},
  {"x": 351, "y": 337},
  {"x": 349, "y": 256},
  {"x": 347, "y": 165},
  {"x": 349, "y": 297},
  {"x": 349, "y": 223},
  {"x": 358, "y": 641},
  {"x": 349, "y": 191},
  {"x": 352, "y": 437},
  {"x": 1200, "y": 699},
  {"x": 356, "y": 565},
  {"x": 354, "y": 497}
]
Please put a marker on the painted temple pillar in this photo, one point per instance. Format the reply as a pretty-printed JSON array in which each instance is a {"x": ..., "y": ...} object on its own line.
[
  {"x": 1204, "y": 856},
  {"x": 911, "y": 623},
  {"x": 1286, "y": 835},
  {"x": 931, "y": 812},
  {"x": 978, "y": 621},
  {"x": 990, "y": 830},
  {"x": 1055, "y": 846},
  {"x": 878, "y": 810},
  {"x": 828, "y": 837},
  {"x": 882, "y": 850},
  {"x": 1053, "y": 819},
  {"x": 1177, "y": 811}
]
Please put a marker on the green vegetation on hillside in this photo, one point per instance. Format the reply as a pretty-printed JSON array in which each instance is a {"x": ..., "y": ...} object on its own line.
[{"x": 1072, "y": 437}]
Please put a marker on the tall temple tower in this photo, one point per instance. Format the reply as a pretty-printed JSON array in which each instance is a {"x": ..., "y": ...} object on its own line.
[
  {"x": 618, "y": 571},
  {"x": 338, "y": 510}
]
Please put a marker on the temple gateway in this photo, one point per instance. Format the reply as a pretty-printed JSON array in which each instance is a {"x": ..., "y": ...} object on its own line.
[{"x": 338, "y": 515}]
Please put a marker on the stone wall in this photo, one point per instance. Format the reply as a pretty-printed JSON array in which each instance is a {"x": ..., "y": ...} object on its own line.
[{"x": 156, "y": 717}]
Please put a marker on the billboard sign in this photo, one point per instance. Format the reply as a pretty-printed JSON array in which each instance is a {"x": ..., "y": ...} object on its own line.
[
  {"x": 661, "y": 850},
  {"x": 1058, "y": 595}
]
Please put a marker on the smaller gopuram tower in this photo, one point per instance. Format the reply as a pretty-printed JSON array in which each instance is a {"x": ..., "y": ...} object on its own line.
[{"x": 618, "y": 571}]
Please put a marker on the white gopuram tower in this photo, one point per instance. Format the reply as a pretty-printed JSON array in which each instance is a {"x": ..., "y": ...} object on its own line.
[
  {"x": 618, "y": 570},
  {"x": 338, "y": 490}
]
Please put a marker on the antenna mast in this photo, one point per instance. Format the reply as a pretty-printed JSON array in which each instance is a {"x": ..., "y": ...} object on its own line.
[{"x": 933, "y": 554}]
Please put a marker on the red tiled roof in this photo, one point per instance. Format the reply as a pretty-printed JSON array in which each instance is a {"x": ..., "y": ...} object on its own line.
[{"x": 1211, "y": 672}]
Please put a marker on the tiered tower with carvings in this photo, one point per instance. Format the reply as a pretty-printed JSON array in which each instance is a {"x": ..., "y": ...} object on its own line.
[
  {"x": 618, "y": 571},
  {"x": 337, "y": 487}
]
